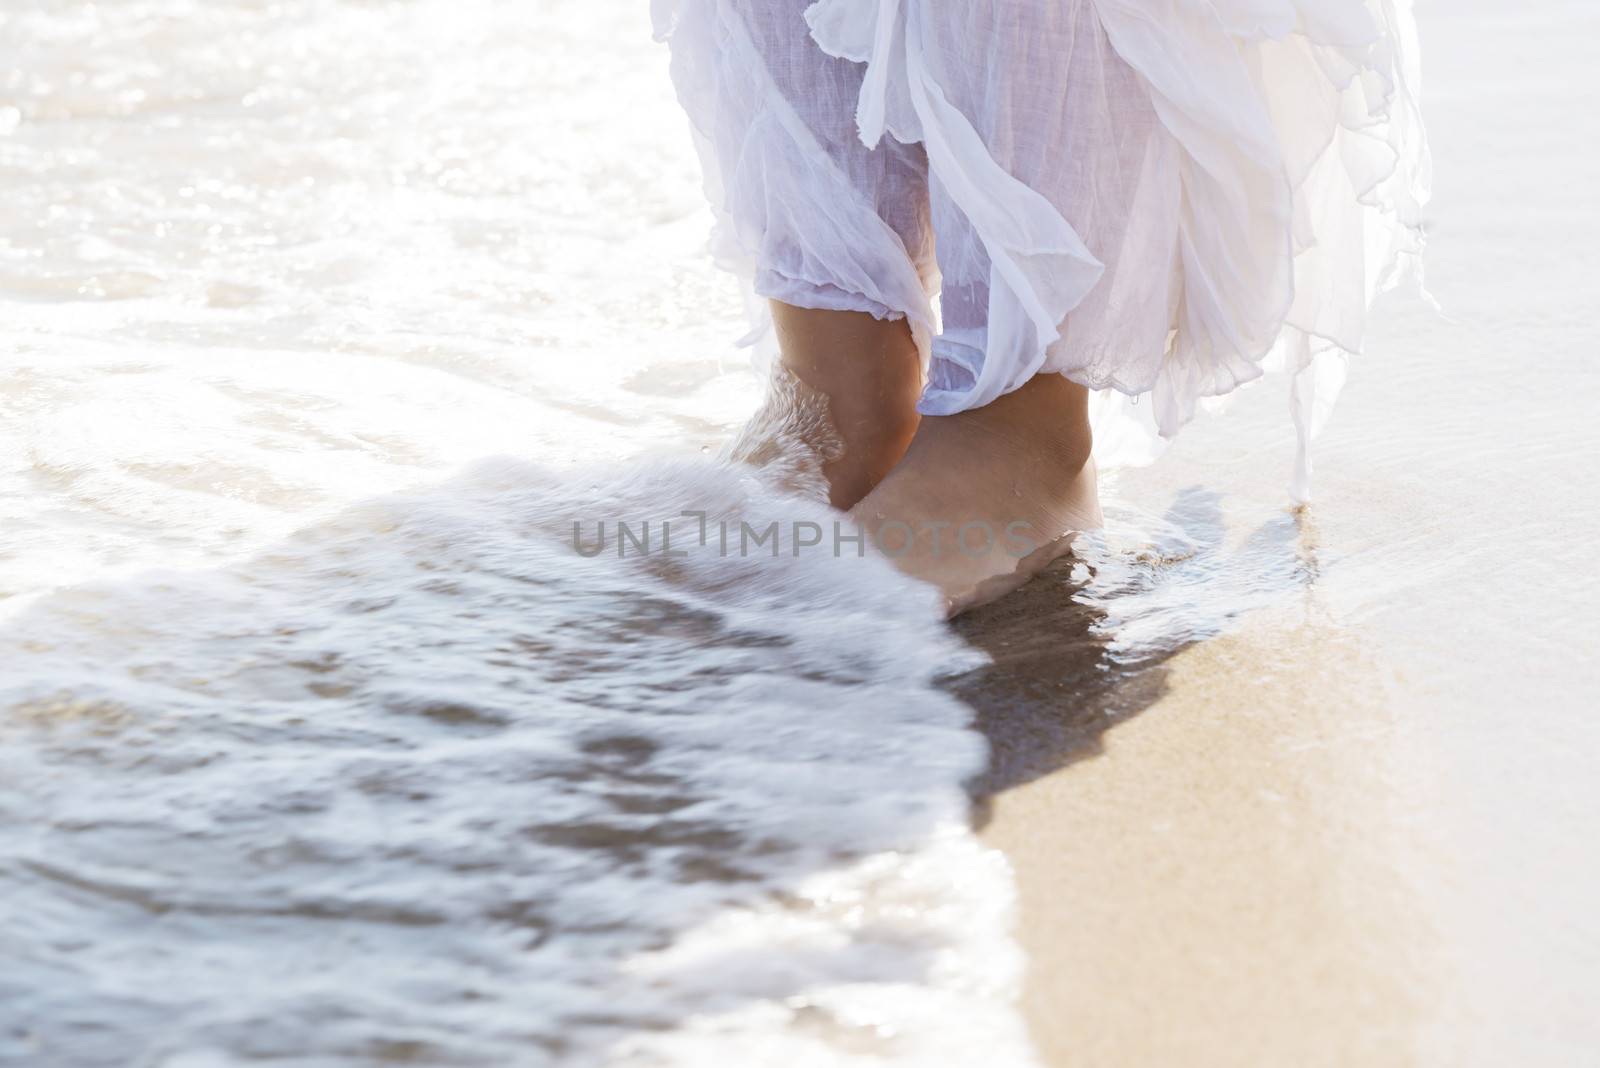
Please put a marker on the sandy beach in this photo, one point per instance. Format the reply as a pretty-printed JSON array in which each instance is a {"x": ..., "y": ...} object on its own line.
[
  {"x": 326, "y": 325},
  {"x": 1349, "y": 828},
  {"x": 1224, "y": 884}
]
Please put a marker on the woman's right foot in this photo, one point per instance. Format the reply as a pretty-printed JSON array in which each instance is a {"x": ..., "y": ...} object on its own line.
[{"x": 985, "y": 499}]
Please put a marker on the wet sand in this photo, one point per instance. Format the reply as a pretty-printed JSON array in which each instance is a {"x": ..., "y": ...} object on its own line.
[
  {"x": 1226, "y": 882},
  {"x": 1353, "y": 825}
]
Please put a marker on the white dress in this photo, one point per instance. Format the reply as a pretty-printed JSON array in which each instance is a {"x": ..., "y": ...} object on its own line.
[{"x": 1148, "y": 196}]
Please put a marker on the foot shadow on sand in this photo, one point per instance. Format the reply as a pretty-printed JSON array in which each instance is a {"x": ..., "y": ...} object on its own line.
[{"x": 1059, "y": 677}]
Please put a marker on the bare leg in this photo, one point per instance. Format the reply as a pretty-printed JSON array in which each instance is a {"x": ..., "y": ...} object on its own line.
[
  {"x": 985, "y": 499},
  {"x": 870, "y": 373}
]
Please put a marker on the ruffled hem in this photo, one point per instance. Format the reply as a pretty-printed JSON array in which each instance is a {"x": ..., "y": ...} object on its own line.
[
  {"x": 1286, "y": 162},
  {"x": 1303, "y": 169},
  {"x": 1040, "y": 267},
  {"x": 760, "y": 158}
]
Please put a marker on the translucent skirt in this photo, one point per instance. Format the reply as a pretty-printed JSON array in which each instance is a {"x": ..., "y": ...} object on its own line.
[{"x": 1161, "y": 197}]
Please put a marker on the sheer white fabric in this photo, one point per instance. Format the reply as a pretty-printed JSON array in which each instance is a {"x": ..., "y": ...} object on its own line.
[{"x": 1149, "y": 196}]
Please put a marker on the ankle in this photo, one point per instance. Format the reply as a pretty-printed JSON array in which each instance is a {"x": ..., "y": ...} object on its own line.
[
  {"x": 1044, "y": 424},
  {"x": 869, "y": 452}
]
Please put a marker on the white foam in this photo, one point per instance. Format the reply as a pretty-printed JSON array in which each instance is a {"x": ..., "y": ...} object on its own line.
[{"x": 315, "y": 746}]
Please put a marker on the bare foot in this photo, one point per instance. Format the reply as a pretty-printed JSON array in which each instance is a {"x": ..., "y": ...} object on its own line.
[
  {"x": 984, "y": 499},
  {"x": 870, "y": 373}
]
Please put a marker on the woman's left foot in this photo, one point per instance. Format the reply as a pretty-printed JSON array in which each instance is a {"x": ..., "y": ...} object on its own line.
[{"x": 985, "y": 499}]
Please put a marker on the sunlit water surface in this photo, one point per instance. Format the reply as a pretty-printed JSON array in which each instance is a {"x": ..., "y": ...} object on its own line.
[{"x": 320, "y": 741}]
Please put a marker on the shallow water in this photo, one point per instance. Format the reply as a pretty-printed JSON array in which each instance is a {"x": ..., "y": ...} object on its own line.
[{"x": 321, "y": 741}]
